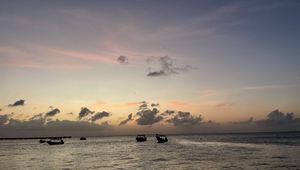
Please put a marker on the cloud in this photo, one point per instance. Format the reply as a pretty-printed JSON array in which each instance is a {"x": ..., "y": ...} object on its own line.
[
  {"x": 37, "y": 116},
  {"x": 163, "y": 66},
  {"x": 99, "y": 115},
  {"x": 3, "y": 119},
  {"x": 84, "y": 112},
  {"x": 168, "y": 113},
  {"x": 185, "y": 119},
  {"x": 133, "y": 103},
  {"x": 87, "y": 56},
  {"x": 18, "y": 57},
  {"x": 250, "y": 120},
  {"x": 17, "y": 103},
  {"x": 0, "y": 109},
  {"x": 122, "y": 59},
  {"x": 144, "y": 105},
  {"x": 41, "y": 127},
  {"x": 148, "y": 117},
  {"x": 52, "y": 112},
  {"x": 266, "y": 87},
  {"x": 223, "y": 105},
  {"x": 129, "y": 118},
  {"x": 277, "y": 117},
  {"x": 178, "y": 103},
  {"x": 155, "y": 105},
  {"x": 275, "y": 121}
]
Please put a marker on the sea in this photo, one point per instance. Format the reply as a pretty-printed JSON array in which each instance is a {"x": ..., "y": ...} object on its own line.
[{"x": 206, "y": 151}]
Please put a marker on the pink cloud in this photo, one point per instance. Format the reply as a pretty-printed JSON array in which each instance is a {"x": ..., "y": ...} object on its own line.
[
  {"x": 133, "y": 103},
  {"x": 223, "y": 105},
  {"x": 82, "y": 55},
  {"x": 178, "y": 103},
  {"x": 16, "y": 57},
  {"x": 265, "y": 87}
]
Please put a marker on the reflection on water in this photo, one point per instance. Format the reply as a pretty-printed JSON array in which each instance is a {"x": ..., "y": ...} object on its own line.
[{"x": 181, "y": 152}]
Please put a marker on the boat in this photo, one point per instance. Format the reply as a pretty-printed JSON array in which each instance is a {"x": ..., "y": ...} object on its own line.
[
  {"x": 161, "y": 138},
  {"x": 55, "y": 142},
  {"x": 83, "y": 138},
  {"x": 141, "y": 138},
  {"x": 43, "y": 140}
]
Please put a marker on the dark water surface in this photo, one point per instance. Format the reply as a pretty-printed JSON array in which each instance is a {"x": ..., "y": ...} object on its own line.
[{"x": 227, "y": 151}]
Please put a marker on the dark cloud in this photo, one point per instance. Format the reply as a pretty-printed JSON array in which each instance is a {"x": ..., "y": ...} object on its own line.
[
  {"x": 156, "y": 73},
  {"x": 17, "y": 103},
  {"x": 185, "y": 119},
  {"x": 148, "y": 116},
  {"x": 277, "y": 117},
  {"x": 155, "y": 105},
  {"x": 3, "y": 119},
  {"x": 99, "y": 115},
  {"x": 163, "y": 66},
  {"x": 250, "y": 120},
  {"x": 37, "y": 116},
  {"x": 275, "y": 121},
  {"x": 144, "y": 105},
  {"x": 129, "y": 118},
  {"x": 42, "y": 127},
  {"x": 168, "y": 113},
  {"x": 52, "y": 112},
  {"x": 122, "y": 59},
  {"x": 84, "y": 112}
]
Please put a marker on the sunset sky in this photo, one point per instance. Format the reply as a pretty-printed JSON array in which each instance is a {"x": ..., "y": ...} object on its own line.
[{"x": 227, "y": 61}]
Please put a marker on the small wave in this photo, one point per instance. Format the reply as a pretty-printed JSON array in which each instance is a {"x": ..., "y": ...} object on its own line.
[
  {"x": 228, "y": 144},
  {"x": 279, "y": 157},
  {"x": 160, "y": 159},
  {"x": 126, "y": 158}
]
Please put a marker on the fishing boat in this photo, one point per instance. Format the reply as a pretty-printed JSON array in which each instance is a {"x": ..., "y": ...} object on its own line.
[
  {"x": 141, "y": 138},
  {"x": 43, "y": 140},
  {"x": 83, "y": 138},
  {"x": 161, "y": 138},
  {"x": 55, "y": 142}
]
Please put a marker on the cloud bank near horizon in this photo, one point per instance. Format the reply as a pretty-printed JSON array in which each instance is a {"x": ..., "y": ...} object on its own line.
[{"x": 147, "y": 115}]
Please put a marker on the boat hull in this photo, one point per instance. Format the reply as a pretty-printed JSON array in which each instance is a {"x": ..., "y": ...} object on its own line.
[
  {"x": 55, "y": 143},
  {"x": 161, "y": 139}
]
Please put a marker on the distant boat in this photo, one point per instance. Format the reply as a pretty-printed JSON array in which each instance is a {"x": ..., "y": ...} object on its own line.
[
  {"x": 55, "y": 142},
  {"x": 83, "y": 138},
  {"x": 161, "y": 138},
  {"x": 141, "y": 138},
  {"x": 43, "y": 140}
]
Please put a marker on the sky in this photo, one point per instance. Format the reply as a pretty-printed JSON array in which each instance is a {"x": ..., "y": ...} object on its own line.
[{"x": 140, "y": 66}]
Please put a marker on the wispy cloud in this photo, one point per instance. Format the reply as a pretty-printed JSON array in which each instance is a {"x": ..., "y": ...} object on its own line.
[
  {"x": 28, "y": 58},
  {"x": 208, "y": 93},
  {"x": 266, "y": 87},
  {"x": 178, "y": 103},
  {"x": 82, "y": 55},
  {"x": 224, "y": 105}
]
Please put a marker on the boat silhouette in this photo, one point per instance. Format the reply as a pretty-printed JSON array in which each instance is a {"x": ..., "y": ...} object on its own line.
[
  {"x": 55, "y": 142},
  {"x": 161, "y": 138},
  {"x": 83, "y": 138},
  {"x": 141, "y": 138},
  {"x": 43, "y": 140}
]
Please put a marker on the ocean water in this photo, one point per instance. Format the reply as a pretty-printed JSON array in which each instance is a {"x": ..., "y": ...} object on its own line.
[{"x": 227, "y": 151}]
